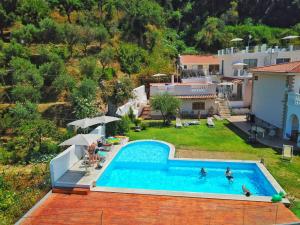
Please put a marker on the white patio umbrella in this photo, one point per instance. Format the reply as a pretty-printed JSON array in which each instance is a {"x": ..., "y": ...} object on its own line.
[
  {"x": 81, "y": 139},
  {"x": 239, "y": 64},
  {"x": 290, "y": 37},
  {"x": 104, "y": 119},
  {"x": 236, "y": 39},
  {"x": 159, "y": 75},
  {"x": 87, "y": 122}
]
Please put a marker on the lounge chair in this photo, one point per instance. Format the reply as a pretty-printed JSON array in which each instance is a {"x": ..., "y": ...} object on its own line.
[
  {"x": 178, "y": 123},
  {"x": 210, "y": 122},
  {"x": 287, "y": 152}
]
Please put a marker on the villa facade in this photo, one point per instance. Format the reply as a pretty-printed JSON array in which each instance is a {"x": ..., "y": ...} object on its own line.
[
  {"x": 193, "y": 67},
  {"x": 276, "y": 98},
  {"x": 236, "y": 65},
  {"x": 198, "y": 98}
]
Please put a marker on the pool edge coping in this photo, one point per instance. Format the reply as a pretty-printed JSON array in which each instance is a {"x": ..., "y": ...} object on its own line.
[{"x": 171, "y": 156}]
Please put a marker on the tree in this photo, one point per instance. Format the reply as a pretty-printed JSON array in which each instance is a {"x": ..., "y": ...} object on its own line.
[
  {"x": 71, "y": 36},
  {"x": 66, "y": 7},
  {"x": 25, "y": 73},
  {"x": 50, "y": 31},
  {"x": 211, "y": 35},
  {"x": 131, "y": 58},
  {"x": 106, "y": 56},
  {"x": 33, "y": 11},
  {"x": 52, "y": 68},
  {"x": 88, "y": 67},
  {"x": 137, "y": 15},
  {"x": 64, "y": 83},
  {"x": 6, "y": 19},
  {"x": 83, "y": 99},
  {"x": 231, "y": 16},
  {"x": 26, "y": 111},
  {"x": 101, "y": 34},
  {"x": 25, "y": 92},
  {"x": 35, "y": 131},
  {"x": 26, "y": 34},
  {"x": 83, "y": 107},
  {"x": 118, "y": 93},
  {"x": 87, "y": 35},
  {"x": 168, "y": 106},
  {"x": 14, "y": 50}
]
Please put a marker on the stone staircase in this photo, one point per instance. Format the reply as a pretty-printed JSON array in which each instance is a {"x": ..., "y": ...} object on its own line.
[
  {"x": 146, "y": 112},
  {"x": 224, "y": 110}
]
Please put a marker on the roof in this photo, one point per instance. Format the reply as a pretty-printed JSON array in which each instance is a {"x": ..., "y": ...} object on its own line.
[
  {"x": 120, "y": 208},
  {"x": 198, "y": 59},
  {"x": 291, "y": 67},
  {"x": 207, "y": 96}
]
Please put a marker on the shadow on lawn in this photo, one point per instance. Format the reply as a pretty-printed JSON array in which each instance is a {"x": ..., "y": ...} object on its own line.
[{"x": 244, "y": 136}]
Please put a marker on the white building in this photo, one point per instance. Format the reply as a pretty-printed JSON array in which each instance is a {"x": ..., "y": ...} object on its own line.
[
  {"x": 193, "y": 67},
  {"x": 276, "y": 98},
  {"x": 198, "y": 98},
  {"x": 235, "y": 67}
]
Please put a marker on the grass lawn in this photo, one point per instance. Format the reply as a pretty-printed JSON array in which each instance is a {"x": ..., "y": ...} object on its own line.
[{"x": 226, "y": 142}]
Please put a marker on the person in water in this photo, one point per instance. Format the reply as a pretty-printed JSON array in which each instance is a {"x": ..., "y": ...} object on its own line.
[
  {"x": 202, "y": 173},
  {"x": 246, "y": 191},
  {"x": 229, "y": 175}
]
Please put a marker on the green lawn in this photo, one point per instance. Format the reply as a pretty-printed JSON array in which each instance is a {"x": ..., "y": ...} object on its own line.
[{"x": 226, "y": 141}]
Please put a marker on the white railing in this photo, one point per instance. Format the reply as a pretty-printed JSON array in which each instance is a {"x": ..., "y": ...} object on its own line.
[
  {"x": 258, "y": 48},
  {"x": 184, "y": 90},
  {"x": 294, "y": 99}
]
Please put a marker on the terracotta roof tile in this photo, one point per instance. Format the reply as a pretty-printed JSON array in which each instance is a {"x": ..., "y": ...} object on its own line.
[
  {"x": 199, "y": 59},
  {"x": 291, "y": 67}
]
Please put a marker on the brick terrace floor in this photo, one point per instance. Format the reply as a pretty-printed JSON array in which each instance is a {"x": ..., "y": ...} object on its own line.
[{"x": 122, "y": 209}]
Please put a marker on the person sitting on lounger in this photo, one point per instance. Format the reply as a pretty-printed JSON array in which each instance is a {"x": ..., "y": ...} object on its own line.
[
  {"x": 202, "y": 173},
  {"x": 228, "y": 175},
  {"x": 246, "y": 191}
]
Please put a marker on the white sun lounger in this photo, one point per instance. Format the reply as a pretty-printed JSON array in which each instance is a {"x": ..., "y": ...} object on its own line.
[
  {"x": 287, "y": 152},
  {"x": 210, "y": 122},
  {"x": 178, "y": 123}
]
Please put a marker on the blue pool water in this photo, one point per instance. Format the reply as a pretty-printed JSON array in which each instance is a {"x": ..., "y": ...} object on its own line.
[{"x": 145, "y": 165}]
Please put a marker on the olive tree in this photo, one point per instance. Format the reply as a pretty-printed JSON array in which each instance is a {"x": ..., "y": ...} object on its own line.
[{"x": 168, "y": 106}]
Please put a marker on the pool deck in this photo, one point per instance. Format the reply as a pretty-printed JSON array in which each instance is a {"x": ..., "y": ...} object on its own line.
[
  {"x": 80, "y": 176},
  {"x": 122, "y": 209}
]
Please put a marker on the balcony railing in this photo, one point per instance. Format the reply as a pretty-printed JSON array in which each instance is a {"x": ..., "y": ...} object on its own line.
[
  {"x": 258, "y": 48},
  {"x": 241, "y": 73},
  {"x": 183, "y": 90},
  {"x": 294, "y": 99}
]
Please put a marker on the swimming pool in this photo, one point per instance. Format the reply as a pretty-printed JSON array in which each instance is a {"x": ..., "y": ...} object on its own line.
[{"x": 146, "y": 165}]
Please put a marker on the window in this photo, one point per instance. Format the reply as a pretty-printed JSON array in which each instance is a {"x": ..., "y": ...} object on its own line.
[
  {"x": 200, "y": 67},
  {"x": 282, "y": 60},
  {"x": 251, "y": 63},
  {"x": 198, "y": 105},
  {"x": 184, "y": 66}
]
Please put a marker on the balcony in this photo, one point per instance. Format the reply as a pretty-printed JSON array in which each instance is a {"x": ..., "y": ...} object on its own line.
[
  {"x": 182, "y": 89},
  {"x": 258, "y": 48},
  {"x": 294, "y": 100}
]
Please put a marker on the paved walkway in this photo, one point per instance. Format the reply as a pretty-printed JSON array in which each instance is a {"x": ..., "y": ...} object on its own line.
[
  {"x": 242, "y": 124},
  {"x": 135, "y": 209}
]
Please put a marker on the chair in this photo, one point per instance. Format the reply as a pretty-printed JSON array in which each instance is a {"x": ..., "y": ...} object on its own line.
[
  {"x": 210, "y": 122},
  {"x": 178, "y": 123},
  {"x": 287, "y": 152}
]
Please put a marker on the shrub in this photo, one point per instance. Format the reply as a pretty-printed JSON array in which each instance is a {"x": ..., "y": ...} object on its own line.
[
  {"x": 123, "y": 126},
  {"x": 144, "y": 126}
]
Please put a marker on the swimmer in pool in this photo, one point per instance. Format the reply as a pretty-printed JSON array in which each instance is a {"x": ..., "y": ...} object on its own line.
[{"x": 229, "y": 175}]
